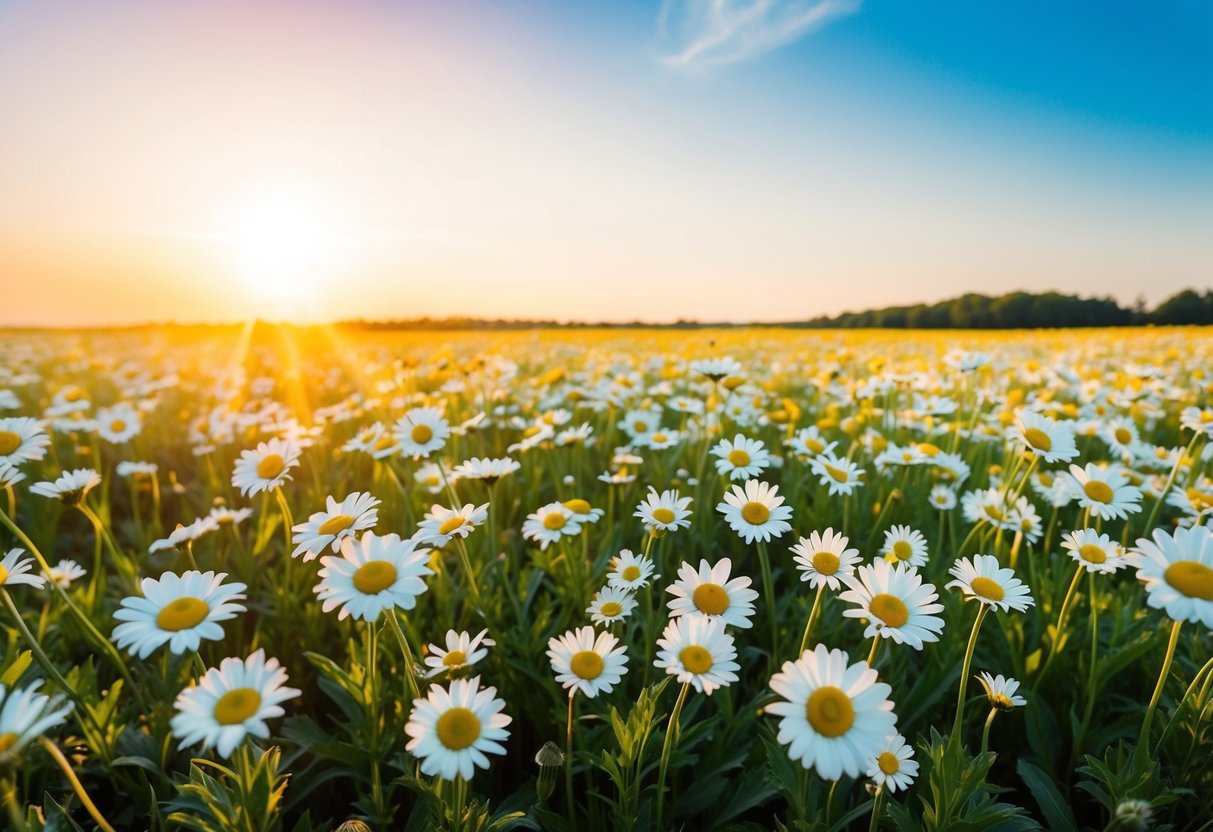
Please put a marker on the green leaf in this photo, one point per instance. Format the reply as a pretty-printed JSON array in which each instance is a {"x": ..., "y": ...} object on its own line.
[
  {"x": 1052, "y": 805},
  {"x": 13, "y": 672}
]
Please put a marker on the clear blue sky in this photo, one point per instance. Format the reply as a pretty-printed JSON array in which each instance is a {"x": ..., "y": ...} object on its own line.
[{"x": 585, "y": 159}]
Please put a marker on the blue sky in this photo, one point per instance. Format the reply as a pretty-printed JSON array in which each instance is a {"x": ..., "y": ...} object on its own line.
[{"x": 749, "y": 160}]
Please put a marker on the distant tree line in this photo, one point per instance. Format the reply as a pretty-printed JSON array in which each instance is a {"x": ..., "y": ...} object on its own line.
[{"x": 1015, "y": 310}]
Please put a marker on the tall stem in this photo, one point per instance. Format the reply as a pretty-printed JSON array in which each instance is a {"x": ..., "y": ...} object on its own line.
[
  {"x": 768, "y": 587},
  {"x": 874, "y": 823},
  {"x": 410, "y": 665},
  {"x": 964, "y": 672},
  {"x": 77, "y": 786},
  {"x": 671, "y": 736},
  {"x": 985, "y": 732},
  {"x": 568, "y": 759},
  {"x": 1058, "y": 641},
  {"x": 804, "y": 640},
  {"x": 1143, "y": 740}
]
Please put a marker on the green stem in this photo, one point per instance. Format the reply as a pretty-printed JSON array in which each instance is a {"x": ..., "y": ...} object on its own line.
[
  {"x": 768, "y": 587},
  {"x": 77, "y": 786},
  {"x": 985, "y": 732},
  {"x": 568, "y": 760},
  {"x": 671, "y": 736},
  {"x": 1167, "y": 488},
  {"x": 808, "y": 625},
  {"x": 964, "y": 672},
  {"x": 872, "y": 652},
  {"x": 16, "y": 814},
  {"x": 1058, "y": 641},
  {"x": 874, "y": 823},
  {"x": 1143, "y": 740},
  {"x": 410, "y": 665}
]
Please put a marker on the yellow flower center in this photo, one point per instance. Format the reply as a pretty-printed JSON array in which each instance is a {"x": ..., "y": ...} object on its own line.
[
  {"x": 1124, "y": 436},
  {"x": 117, "y": 426},
  {"x": 422, "y": 434},
  {"x": 237, "y": 705},
  {"x": 755, "y": 513},
  {"x": 903, "y": 550},
  {"x": 3, "y": 575},
  {"x": 9, "y": 442},
  {"x": 1098, "y": 491},
  {"x": 450, "y": 524},
  {"x": 374, "y": 577},
  {"x": 987, "y": 588},
  {"x": 1200, "y": 500},
  {"x": 457, "y": 728},
  {"x": 8, "y": 740},
  {"x": 927, "y": 449},
  {"x": 695, "y": 659},
  {"x": 663, "y": 515},
  {"x": 738, "y": 458},
  {"x": 830, "y": 711},
  {"x": 1092, "y": 553},
  {"x": 384, "y": 442},
  {"x": 890, "y": 609},
  {"x": 335, "y": 524},
  {"x": 814, "y": 445},
  {"x": 888, "y": 762},
  {"x": 454, "y": 658},
  {"x": 610, "y": 609},
  {"x": 577, "y": 506},
  {"x": 837, "y": 474},
  {"x": 270, "y": 466},
  {"x": 630, "y": 573},
  {"x": 182, "y": 613},
  {"x": 1038, "y": 439},
  {"x": 640, "y": 427},
  {"x": 1191, "y": 578},
  {"x": 554, "y": 521},
  {"x": 659, "y": 437},
  {"x": 710, "y": 599},
  {"x": 587, "y": 664},
  {"x": 826, "y": 563}
]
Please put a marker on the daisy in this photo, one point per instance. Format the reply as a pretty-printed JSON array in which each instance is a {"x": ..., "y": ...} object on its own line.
[
  {"x": 16, "y": 570},
  {"x": 64, "y": 573},
  {"x": 26, "y": 715},
  {"x": 942, "y": 498},
  {"x": 716, "y": 368},
  {"x": 338, "y": 521},
  {"x": 698, "y": 650},
  {"x": 611, "y": 605},
  {"x": 1051, "y": 441},
  {"x": 451, "y": 730},
  {"x": 1177, "y": 570},
  {"x": 1121, "y": 437},
  {"x": 442, "y": 524},
  {"x": 71, "y": 487},
  {"x": 741, "y": 458},
  {"x": 118, "y": 424},
  {"x": 1001, "y": 691},
  {"x": 10, "y": 475},
  {"x": 549, "y": 524},
  {"x": 266, "y": 468},
  {"x": 177, "y": 610},
  {"x": 809, "y": 442},
  {"x": 373, "y": 574},
  {"x": 375, "y": 440},
  {"x": 823, "y": 558},
  {"x": 631, "y": 572},
  {"x": 183, "y": 536},
  {"x": 755, "y": 511},
  {"x": 587, "y": 663},
  {"x": 836, "y": 716},
  {"x": 1093, "y": 551},
  {"x": 230, "y": 702},
  {"x": 667, "y": 511},
  {"x": 841, "y": 475},
  {"x": 421, "y": 431},
  {"x": 489, "y": 470},
  {"x": 582, "y": 511},
  {"x": 982, "y": 578},
  {"x": 1105, "y": 491},
  {"x": 709, "y": 592},
  {"x": 1193, "y": 418},
  {"x": 462, "y": 650},
  {"x": 429, "y": 476},
  {"x": 895, "y": 767},
  {"x": 895, "y": 602},
  {"x": 905, "y": 545},
  {"x": 22, "y": 439},
  {"x": 224, "y": 516}
]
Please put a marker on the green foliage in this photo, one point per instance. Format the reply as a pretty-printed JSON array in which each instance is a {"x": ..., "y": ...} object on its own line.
[{"x": 244, "y": 798}]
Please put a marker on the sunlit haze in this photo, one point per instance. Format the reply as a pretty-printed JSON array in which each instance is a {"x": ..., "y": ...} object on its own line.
[{"x": 215, "y": 161}]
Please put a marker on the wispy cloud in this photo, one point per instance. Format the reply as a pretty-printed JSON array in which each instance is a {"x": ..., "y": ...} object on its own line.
[{"x": 703, "y": 33}]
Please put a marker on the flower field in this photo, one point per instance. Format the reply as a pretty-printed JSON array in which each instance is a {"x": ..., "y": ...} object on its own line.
[{"x": 288, "y": 578}]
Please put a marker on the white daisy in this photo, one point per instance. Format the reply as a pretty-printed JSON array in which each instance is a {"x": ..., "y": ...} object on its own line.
[
  {"x": 983, "y": 579},
  {"x": 823, "y": 558},
  {"x": 698, "y": 650},
  {"x": 665, "y": 512},
  {"x": 1051, "y": 441},
  {"x": 373, "y": 574},
  {"x": 71, "y": 487},
  {"x": 895, "y": 602},
  {"x": 179, "y": 610},
  {"x": 119, "y": 423},
  {"x": 182, "y": 536},
  {"x": 22, "y": 439},
  {"x": 836, "y": 716},
  {"x": 357, "y": 512},
  {"x": 224, "y": 516},
  {"x": 1198, "y": 419},
  {"x": 709, "y": 592},
  {"x": 942, "y": 498},
  {"x": 462, "y": 650},
  {"x": 10, "y": 475},
  {"x": 631, "y": 572},
  {"x": 421, "y": 431},
  {"x": 587, "y": 663},
  {"x": 1107, "y": 492},
  {"x": 1001, "y": 691},
  {"x": 895, "y": 767},
  {"x": 841, "y": 475},
  {"x": 550, "y": 523},
  {"x": 1093, "y": 551},
  {"x": 904, "y": 545},
  {"x": 230, "y": 702},
  {"x": 489, "y": 470},
  {"x": 716, "y": 368},
  {"x": 451, "y": 730},
  {"x": 16, "y": 570},
  {"x": 265, "y": 468},
  {"x": 64, "y": 573},
  {"x": 611, "y": 605},
  {"x": 755, "y": 511},
  {"x": 442, "y": 524},
  {"x": 26, "y": 715},
  {"x": 1177, "y": 570},
  {"x": 741, "y": 458}
]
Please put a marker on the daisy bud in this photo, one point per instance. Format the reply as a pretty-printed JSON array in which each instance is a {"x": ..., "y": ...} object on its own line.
[
  {"x": 1134, "y": 814},
  {"x": 550, "y": 759},
  {"x": 353, "y": 825}
]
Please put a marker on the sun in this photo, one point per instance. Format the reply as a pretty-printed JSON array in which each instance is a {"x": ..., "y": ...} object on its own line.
[{"x": 284, "y": 248}]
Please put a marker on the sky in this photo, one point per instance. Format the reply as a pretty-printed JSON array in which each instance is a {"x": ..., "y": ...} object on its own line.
[{"x": 702, "y": 159}]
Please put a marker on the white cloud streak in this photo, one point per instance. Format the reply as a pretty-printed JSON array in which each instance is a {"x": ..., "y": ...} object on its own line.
[{"x": 706, "y": 33}]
